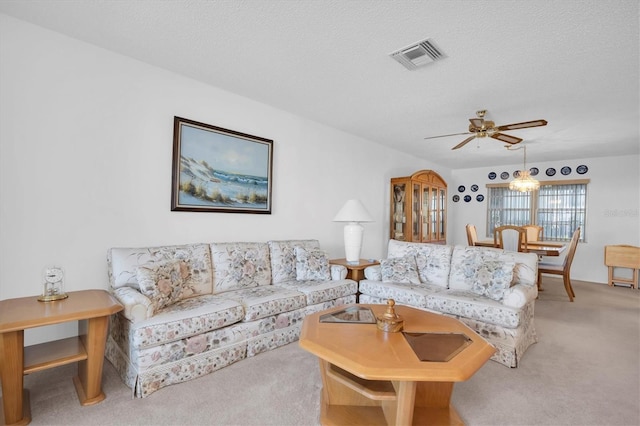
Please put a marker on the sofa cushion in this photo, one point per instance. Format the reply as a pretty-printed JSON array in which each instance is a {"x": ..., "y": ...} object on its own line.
[
  {"x": 526, "y": 269},
  {"x": 283, "y": 258},
  {"x": 123, "y": 264},
  {"x": 434, "y": 264},
  {"x": 397, "y": 248},
  {"x": 433, "y": 260},
  {"x": 183, "y": 319},
  {"x": 400, "y": 270},
  {"x": 263, "y": 301},
  {"x": 163, "y": 283},
  {"x": 152, "y": 357},
  {"x": 402, "y": 293},
  {"x": 322, "y": 291},
  {"x": 240, "y": 265},
  {"x": 467, "y": 261},
  {"x": 311, "y": 265},
  {"x": 493, "y": 278},
  {"x": 466, "y": 304}
]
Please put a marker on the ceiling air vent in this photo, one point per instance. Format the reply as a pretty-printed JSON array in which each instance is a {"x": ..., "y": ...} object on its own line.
[{"x": 418, "y": 54}]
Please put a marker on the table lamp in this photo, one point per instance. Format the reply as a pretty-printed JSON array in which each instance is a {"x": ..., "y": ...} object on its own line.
[{"x": 353, "y": 212}]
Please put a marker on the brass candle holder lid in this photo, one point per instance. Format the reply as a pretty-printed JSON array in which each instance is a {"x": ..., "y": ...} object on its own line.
[{"x": 390, "y": 321}]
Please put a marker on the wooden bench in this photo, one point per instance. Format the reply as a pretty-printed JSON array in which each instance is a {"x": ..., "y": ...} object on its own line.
[{"x": 622, "y": 256}]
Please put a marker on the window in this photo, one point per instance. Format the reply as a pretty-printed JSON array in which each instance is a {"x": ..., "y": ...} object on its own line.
[{"x": 558, "y": 206}]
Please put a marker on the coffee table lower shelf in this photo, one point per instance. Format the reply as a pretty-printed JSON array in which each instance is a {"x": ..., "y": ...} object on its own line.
[{"x": 350, "y": 400}]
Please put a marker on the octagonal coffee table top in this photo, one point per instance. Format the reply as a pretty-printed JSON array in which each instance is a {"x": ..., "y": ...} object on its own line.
[{"x": 367, "y": 352}]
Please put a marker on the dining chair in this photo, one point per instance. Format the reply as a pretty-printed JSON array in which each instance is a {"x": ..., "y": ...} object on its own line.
[
  {"x": 472, "y": 234},
  {"x": 534, "y": 232},
  {"x": 563, "y": 268},
  {"x": 511, "y": 238}
]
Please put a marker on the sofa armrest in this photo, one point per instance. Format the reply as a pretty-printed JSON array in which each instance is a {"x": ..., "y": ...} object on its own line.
[
  {"x": 338, "y": 272},
  {"x": 137, "y": 306},
  {"x": 519, "y": 295},
  {"x": 373, "y": 273}
]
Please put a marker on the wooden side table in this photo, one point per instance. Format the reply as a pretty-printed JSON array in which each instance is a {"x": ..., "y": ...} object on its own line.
[
  {"x": 87, "y": 349},
  {"x": 354, "y": 271}
]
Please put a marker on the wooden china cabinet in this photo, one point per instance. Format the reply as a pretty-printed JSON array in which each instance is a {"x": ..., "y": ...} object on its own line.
[{"x": 418, "y": 208}]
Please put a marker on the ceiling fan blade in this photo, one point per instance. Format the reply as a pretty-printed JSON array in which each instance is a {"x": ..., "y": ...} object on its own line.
[
  {"x": 464, "y": 142},
  {"x": 506, "y": 138},
  {"x": 523, "y": 125},
  {"x": 444, "y": 136}
]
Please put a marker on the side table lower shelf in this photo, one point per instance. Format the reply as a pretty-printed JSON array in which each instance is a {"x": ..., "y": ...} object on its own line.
[{"x": 53, "y": 354}]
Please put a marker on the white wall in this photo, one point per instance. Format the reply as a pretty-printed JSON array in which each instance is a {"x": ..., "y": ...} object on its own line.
[
  {"x": 85, "y": 164},
  {"x": 613, "y": 204}
]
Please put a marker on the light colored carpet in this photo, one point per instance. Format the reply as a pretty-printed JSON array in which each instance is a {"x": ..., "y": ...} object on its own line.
[{"x": 584, "y": 370}]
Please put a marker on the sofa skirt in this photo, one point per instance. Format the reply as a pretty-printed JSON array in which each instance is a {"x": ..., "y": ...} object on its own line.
[{"x": 145, "y": 383}]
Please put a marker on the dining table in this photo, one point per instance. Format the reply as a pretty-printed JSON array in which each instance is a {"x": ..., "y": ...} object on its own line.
[{"x": 541, "y": 248}]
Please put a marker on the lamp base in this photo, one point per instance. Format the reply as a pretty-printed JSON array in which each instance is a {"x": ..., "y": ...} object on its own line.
[{"x": 353, "y": 242}]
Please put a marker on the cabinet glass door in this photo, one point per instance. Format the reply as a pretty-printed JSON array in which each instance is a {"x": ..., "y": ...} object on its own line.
[
  {"x": 433, "y": 214},
  {"x": 398, "y": 214},
  {"x": 415, "y": 213},
  {"x": 424, "y": 214},
  {"x": 442, "y": 220}
]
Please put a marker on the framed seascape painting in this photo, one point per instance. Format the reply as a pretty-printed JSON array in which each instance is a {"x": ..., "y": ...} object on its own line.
[{"x": 220, "y": 170}]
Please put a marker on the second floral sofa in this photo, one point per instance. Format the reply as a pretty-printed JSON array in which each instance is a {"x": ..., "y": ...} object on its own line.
[
  {"x": 492, "y": 291},
  {"x": 192, "y": 309}
]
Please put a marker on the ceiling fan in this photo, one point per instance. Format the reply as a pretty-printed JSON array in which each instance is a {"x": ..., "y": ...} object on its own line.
[{"x": 480, "y": 128}]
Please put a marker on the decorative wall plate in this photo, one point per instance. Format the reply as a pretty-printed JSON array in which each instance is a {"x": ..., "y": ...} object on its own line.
[
  {"x": 461, "y": 188},
  {"x": 467, "y": 198},
  {"x": 533, "y": 171},
  {"x": 456, "y": 198},
  {"x": 582, "y": 169},
  {"x": 565, "y": 170},
  {"x": 480, "y": 198},
  {"x": 516, "y": 174},
  {"x": 504, "y": 175},
  {"x": 492, "y": 175},
  {"x": 474, "y": 188},
  {"x": 550, "y": 171}
]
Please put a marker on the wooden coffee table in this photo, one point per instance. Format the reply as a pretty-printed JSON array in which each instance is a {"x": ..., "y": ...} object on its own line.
[
  {"x": 91, "y": 308},
  {"x": 371, "y": 377}
]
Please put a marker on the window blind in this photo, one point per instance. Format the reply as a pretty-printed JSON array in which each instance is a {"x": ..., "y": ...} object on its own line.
[{"x": 558, "y": 207}]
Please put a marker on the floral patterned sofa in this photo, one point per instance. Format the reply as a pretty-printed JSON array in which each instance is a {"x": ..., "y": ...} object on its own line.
[
  {"x": 192, "y": 309},
  {"x": 491, "y": 290}
]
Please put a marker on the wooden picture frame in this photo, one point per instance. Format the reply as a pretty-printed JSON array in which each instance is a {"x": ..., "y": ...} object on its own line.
[{"x": 220, "y": 170}]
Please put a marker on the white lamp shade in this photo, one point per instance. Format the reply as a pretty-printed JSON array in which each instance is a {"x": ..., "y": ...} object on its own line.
[{"x": 353, "y": 211}]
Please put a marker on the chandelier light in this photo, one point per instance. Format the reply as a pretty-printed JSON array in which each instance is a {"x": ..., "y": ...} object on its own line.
[{"x": 524, "y": 182}]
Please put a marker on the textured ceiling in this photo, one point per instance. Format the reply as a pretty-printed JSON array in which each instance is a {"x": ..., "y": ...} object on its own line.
[{"x": 573, "y": 63}]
